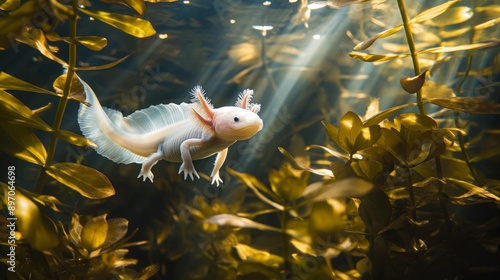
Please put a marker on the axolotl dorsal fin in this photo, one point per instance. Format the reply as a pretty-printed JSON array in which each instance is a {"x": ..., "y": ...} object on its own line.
[{"x": 113, "y": 133}]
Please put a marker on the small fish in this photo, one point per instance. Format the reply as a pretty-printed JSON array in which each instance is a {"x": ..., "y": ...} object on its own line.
[{"x": 173, "y": 132}]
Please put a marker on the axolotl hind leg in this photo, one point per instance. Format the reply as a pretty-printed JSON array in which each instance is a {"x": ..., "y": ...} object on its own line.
[
  {"x": 187, "y": 162},
  {"x": 148, "y": 164}
]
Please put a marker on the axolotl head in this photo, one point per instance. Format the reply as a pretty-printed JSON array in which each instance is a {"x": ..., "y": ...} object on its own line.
[
  {"x": 238, "y": 122},
  {"x": 235, "y": 123}
]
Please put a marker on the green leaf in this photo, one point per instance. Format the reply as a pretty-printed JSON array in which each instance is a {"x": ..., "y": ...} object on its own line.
[
  {"x": 471, "y": 105},
  {"x": 239, "y": 222},
  {"x": 94, "y": 233},
  {"x": 385, "y": 114},
  {"x": 471, "y": 187},
  {"x": 105, "y": 66},
  {"x": 22, "y": 143},
  {"x": 74, "y": 139},
  {"x": 94, "y": 43},
  {"x": 131, "y": 25},
  {"x": 36, "y": 229},
  {"x": 8, "y": 82},
  {"x": 85, "y": 180},
  {"x": 371, "y": 57},
  {"x": 15, "y": 112}
]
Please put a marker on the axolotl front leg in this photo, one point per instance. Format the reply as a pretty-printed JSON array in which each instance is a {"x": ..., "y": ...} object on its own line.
[
  {"x": 187, "y": 162},
  {"x": 187, "y": 165}
]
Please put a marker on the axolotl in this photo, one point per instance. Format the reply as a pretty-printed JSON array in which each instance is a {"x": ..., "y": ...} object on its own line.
[{"x": 173, "y": 132}]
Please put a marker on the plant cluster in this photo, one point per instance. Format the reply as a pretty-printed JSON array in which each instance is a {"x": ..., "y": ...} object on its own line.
[{"x": 389, "y": 196}]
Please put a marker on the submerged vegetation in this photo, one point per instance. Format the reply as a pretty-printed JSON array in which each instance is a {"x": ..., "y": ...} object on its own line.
[{"x": 407, "y": 192}]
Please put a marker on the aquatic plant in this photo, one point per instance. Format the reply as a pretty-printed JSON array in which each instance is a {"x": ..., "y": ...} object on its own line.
[
  {"x": 406, "y": 192},
  {"x": 96, "y": 249}
]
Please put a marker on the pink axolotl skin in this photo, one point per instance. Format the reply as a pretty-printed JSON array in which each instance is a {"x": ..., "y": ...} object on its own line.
[{"x": 173, "y": 132}]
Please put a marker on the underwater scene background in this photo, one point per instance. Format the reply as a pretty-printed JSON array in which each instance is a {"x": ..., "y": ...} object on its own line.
[{"x": 378, "y": 159}]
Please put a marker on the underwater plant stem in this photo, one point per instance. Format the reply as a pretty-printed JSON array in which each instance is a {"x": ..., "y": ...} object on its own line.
[
  {"x": 413, "y": 51},
  {"x": 63, "y": 100},
  {"x": 264, "y": 63},
  {"x": 442, "y": 198},
  {"x": 286, "y": 241},
  {"x": 412, "y": 195}
]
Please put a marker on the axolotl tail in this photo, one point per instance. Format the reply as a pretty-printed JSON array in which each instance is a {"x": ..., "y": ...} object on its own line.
[{"x": 95, "y": 120}]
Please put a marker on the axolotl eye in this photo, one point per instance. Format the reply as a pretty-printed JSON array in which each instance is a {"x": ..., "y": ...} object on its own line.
[{"x": 236, "y": 119}]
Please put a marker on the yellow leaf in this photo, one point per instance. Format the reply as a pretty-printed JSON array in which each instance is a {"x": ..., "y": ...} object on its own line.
[
  {"x": 35, "y": 38},
  {"x": 74, "y": 139},
  {"x": 471, "y": 105},
  {"x": 467, "y": 47},
  {"x": 370, "y": 57},
  {"x": 94, "y": 43},
  {"x": 385, "y": 114},
  {"x": 433, "y": 12},
  {"x": 8, "y": 82},
  {"x": 413, "y": 84},
  {"x": 386, "y": 33},
  {"x": 85, "y": 180},
  {"x": 14, "y": 111},
  {"x": 36, "y": 229},
  {"x": 22, "y": 143},
  {"x": 105, "y": 66},
  {"x": 131, "y": 25},
  {"x": 349, "y": 128},
  {"x": 94, "y": 233},
  {"x": 9, "y": 5},
  {"x": 471, "y": 187},
  {"x": 76, "y": 91},
  {"x": 454, "y": 15}
]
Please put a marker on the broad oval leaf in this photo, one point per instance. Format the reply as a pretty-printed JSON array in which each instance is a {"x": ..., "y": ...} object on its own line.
[
  {"x": 117, "y": 229},
  {"x": 36, "y": 229},
  {"x": 131, "y": 25},
  {"x": 85, "y": 180},
  {"x": 416, "y": 122},
  {"x": 471, "y": 105},
  {"x": 22, "y": 143},
  {"x": 349, "y": 128},
  {"x": 8, "y": 82},
  {"x": 332, "y": 132},
  {"x": 76, "y": 91},
  {"x": 14, "y": 111},
  {"x": 94, "y": 233}
]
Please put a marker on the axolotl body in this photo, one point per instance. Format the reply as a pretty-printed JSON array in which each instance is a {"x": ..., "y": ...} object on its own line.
[{"x": 173, "y": 132}]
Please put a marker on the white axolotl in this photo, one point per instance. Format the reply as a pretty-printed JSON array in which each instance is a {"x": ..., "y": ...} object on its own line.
[{"x": 176, "y": 133}]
